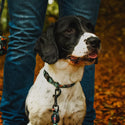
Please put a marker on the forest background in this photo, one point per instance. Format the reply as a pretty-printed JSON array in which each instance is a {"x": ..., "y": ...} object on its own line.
[{"x": 110, "y": 70}]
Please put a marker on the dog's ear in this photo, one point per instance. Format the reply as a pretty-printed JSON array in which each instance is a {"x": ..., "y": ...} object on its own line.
[
  {"x": 46, "y": 46},
  {"x": 90, "y": 27}
]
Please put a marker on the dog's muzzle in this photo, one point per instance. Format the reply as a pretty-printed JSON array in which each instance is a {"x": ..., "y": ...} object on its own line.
[
  {"x": 93, "y": 46},
  {"x": 86, "y": 59}
]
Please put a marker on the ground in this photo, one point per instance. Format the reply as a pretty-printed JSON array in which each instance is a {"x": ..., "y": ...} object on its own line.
[{"x": 110, "y": 72}]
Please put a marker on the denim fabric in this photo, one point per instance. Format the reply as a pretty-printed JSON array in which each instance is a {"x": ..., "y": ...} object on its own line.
[
  {"x": 86, "y": 8},
  {"x": 26, "y": 23}
]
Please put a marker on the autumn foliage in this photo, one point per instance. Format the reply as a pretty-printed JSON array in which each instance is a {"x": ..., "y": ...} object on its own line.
[{"x": 110, "y": 70}]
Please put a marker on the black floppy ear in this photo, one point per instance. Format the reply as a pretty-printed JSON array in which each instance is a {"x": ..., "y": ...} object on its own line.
[
  {"x": 90, "y": 27},
  {"x": 46, "y": 46}
]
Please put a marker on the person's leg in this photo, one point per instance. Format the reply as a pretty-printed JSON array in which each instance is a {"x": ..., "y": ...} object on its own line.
[
  {"x": 26, "y": 22},
  {"x": 88, "y": 88},
  {"x": 88, "y": 9}
]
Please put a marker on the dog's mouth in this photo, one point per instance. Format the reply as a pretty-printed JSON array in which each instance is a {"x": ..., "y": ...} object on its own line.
[{"x": 88, "y": 59}]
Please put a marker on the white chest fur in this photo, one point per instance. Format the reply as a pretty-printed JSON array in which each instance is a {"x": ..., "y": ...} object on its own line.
[{"x": 72, "y": 106}]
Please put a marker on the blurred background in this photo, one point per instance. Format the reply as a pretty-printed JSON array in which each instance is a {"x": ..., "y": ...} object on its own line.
[{"x": 110, "y": 70}]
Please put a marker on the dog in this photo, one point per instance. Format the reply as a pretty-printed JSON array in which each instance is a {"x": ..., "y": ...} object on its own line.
[{"x": 66, "y": 47}]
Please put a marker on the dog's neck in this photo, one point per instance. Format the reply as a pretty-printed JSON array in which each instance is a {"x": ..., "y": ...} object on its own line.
[{"x": 64, "y": 73}]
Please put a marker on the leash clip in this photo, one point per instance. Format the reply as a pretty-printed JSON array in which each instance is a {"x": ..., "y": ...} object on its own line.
[
  {"x": 57, "y": 94},
  {"x": 55, "y": 116}
]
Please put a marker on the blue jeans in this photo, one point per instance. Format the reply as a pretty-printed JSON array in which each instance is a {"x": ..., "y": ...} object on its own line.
[{"x": 26, "y": 23}]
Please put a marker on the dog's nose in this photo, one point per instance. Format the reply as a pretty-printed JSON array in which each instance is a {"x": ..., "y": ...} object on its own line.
[{"x": 93, "y": 42}]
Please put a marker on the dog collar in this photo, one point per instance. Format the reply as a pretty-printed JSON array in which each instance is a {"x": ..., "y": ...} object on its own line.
[{"x": 56, "y": 84}]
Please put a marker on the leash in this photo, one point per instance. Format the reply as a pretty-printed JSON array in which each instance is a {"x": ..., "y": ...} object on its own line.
[{"x": 55, "y": 108}]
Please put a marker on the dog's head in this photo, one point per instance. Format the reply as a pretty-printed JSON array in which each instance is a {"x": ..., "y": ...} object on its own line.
[{"x": 69, "y": 38}]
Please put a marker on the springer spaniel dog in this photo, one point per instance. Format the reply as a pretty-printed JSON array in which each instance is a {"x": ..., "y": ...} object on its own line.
[{"x": 66, "y": 47}]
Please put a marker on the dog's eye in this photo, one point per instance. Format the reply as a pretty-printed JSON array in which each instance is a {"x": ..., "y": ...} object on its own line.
[{"x": 69, "y": 31}]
